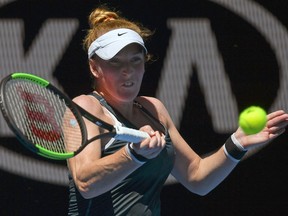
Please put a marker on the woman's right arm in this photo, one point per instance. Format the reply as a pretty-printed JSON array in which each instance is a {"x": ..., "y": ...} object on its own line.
[{"x": 94, "y": 174}]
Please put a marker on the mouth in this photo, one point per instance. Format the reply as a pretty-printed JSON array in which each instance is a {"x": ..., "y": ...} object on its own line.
[{"x": 128, "y": 84}]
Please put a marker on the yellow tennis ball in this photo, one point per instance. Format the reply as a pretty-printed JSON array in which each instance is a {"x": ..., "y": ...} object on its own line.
[{"x": 252, "y": 120}]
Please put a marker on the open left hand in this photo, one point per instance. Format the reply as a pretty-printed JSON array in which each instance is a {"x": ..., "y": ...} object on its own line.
[{"x": 276, "y": 124}]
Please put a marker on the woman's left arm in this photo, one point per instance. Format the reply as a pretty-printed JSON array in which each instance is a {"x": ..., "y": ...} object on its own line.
[{"x": 201, "y": 175}]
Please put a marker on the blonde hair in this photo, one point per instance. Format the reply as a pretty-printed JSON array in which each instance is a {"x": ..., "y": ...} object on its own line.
[{"x": 102, "y": 20}]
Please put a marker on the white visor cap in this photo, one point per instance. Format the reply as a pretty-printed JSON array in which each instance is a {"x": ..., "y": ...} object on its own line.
[{"x": 110, "y": 43}]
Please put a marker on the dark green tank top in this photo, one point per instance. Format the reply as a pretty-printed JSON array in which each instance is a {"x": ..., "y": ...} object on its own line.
[{"x": 138, "y": 193}]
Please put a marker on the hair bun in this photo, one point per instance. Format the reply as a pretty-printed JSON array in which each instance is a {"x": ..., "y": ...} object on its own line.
[{"x": 101, "y": 15}]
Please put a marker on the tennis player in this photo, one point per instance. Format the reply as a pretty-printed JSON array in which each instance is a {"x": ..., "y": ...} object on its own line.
[{"x": 110, "y": 177}]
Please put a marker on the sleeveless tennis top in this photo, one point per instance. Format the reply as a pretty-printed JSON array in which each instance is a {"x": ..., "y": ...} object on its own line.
[{"x": 138, "y": 193}]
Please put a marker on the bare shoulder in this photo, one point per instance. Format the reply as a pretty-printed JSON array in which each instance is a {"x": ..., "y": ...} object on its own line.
[
  {"x": 154, "y": 106},
  {"x": 88, "y": 103},
  {"x": 150, "y": 103},
  {"x": 84, "y": 101}
]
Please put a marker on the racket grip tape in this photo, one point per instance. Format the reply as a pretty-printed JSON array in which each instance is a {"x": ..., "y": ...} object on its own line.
[{"x": 129, "y": 134}]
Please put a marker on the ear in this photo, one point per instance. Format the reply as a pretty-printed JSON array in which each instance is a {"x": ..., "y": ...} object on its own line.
[{"x": 94, "y": 68}]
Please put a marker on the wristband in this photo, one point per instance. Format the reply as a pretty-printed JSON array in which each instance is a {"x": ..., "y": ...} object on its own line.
[
  {"x": 233, "y": 149},
  {"x": 135, "y": 157}
]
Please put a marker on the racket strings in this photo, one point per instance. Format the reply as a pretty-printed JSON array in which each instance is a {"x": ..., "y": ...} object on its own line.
[{"x": 43, "y": 117}]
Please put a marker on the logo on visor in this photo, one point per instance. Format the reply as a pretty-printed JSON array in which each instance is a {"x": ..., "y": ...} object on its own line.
[{"x": 120, "y": 34}]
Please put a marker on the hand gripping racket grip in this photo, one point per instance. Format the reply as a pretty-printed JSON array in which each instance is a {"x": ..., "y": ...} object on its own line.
[{"x": 130, "y": 135}]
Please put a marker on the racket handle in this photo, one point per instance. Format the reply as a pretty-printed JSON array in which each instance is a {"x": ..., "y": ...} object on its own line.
[{"x": 129, "y": 134}]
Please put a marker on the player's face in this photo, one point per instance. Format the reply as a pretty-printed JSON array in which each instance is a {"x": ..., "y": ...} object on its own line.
[{"x": 122, "y": 75}]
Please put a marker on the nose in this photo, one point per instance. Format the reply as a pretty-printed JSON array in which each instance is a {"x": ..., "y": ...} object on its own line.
[{"x": 127, "y": 68}]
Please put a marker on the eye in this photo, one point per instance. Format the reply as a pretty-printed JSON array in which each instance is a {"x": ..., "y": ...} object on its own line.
[
  {"x": 137, "y": 59},
  {"x": 114, "y": 62}
]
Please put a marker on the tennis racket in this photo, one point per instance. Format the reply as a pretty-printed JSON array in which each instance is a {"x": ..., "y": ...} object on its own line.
[{"x": 47, "y": 122}]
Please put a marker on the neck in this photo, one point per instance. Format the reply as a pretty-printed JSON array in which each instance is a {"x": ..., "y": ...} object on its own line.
[{"x": 125, "y": 108}]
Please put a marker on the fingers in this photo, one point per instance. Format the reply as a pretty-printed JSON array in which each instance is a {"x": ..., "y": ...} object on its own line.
[
  {"x": 148, "y": 129},
  {"x": 276, "y": 123},
  {"x": 276, "y": 133},
  {"x": 275, "y": 114},
  {"x": 152, "y": 146},
  {"x": 276, "y": 127},
  {"x": 278, "y": 117}
]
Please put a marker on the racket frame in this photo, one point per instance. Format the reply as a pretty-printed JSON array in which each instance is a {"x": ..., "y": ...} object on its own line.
[
  {"x": 122, "y": 133},
  {"x": 36, "y": 148}
]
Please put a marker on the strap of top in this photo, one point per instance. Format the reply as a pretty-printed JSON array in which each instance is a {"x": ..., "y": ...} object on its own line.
[
  {"x": 103, "y": 102},
  {"x": 118, "y": 115}
]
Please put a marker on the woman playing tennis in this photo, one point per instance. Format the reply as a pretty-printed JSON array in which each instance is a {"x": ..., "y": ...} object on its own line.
[{"x": 111, "y": 177}]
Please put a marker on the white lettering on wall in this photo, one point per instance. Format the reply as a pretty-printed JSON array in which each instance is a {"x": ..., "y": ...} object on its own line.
[
  {"x": 274, "y": 32},
  {"x": 193, "y": 43},
  {"x": 41, "y": 59},
  {"x": 43, "y": 55}
]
